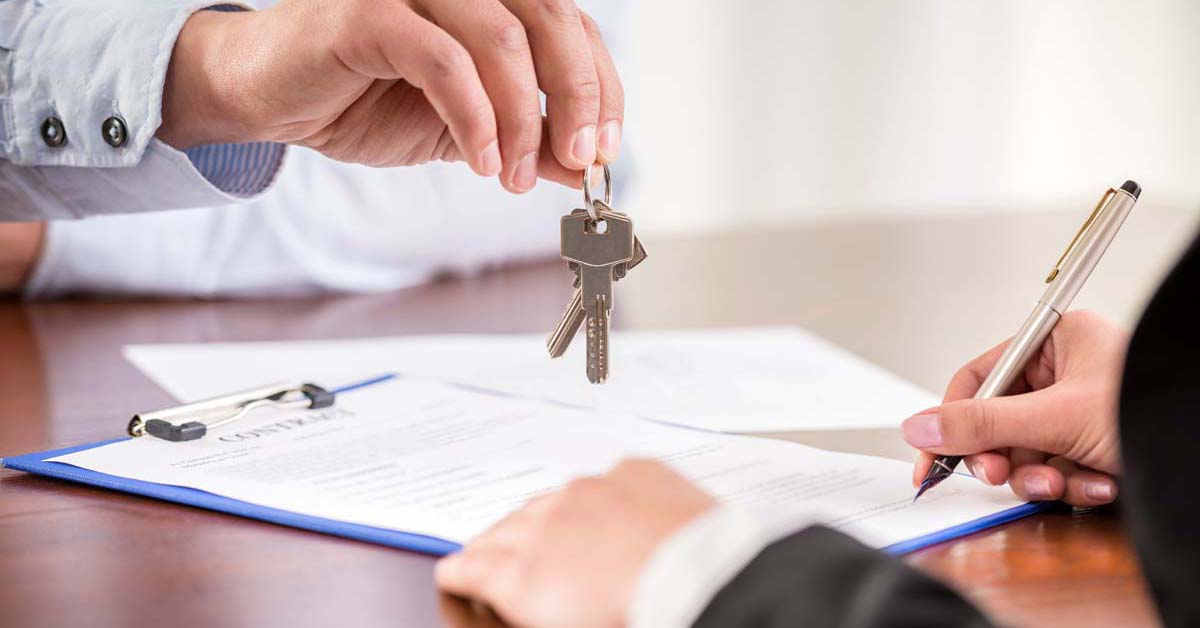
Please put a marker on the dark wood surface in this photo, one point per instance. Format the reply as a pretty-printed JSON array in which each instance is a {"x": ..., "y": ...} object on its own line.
[{"x": 78, "y": 556}]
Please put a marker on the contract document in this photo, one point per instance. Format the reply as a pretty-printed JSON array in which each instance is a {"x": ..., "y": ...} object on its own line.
[
  {"x": 734, "y": 380},
  {"x": 423, "y": 457}
]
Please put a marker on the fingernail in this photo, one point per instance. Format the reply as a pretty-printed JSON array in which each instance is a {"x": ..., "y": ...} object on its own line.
[
  {"x": 610, "y": 141},
  {"x": 525, "y": 177},
  {"x": 1037, "y": 487},
  {"x": 1099, "y": 491},
  {"x": 583, "y": 149},
  {"x": 923, "y": 430},
  {"x": 489, "y": 160},
  {"x": 979, "y": 471}
]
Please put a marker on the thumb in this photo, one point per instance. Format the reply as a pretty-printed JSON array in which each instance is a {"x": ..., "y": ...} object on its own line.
[{"x": 971, "y": 426}]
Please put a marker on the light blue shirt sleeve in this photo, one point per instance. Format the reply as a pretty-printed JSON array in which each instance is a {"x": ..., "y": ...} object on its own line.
[{"x": 71, "y": 70}]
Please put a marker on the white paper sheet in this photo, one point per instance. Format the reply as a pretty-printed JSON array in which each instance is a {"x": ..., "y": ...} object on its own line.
[
  {"x": 419, "y": 456},
  {"x": 739, "y": 380}
]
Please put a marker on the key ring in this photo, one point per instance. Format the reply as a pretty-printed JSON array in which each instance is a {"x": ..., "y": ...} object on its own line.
[{"x": 587, "y": 191}]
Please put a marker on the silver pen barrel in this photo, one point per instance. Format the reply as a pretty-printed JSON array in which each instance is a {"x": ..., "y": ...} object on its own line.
[
  {"x": 1085, "y": 252},
  {"x": 1025, "y": 344},
  {"x": 1066, "y": 279}
]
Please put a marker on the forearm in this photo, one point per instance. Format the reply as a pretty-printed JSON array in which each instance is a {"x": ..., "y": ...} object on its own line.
[{"x": 202, "y": 89}]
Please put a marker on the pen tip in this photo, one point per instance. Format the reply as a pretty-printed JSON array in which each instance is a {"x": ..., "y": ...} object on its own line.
[
  {"x": 1133, "y": 188},
  {"x": 931, "y": 480}
]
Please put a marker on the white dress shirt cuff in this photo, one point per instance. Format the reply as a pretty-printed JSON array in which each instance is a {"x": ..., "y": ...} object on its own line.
[{"x": 696, "y": 562}]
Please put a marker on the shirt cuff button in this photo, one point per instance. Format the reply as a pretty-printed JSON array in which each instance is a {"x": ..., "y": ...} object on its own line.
[
  {"x": 54, "y": 134},
  {"x": 114, "y": 132}
]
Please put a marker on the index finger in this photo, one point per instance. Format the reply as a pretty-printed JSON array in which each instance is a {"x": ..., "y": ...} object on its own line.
[
  {"x": 497, "y": 42},
  {"x": 444, "y": 71},
  {"x": 612, "y": 95},
  {"x": 566, "y": 72}
]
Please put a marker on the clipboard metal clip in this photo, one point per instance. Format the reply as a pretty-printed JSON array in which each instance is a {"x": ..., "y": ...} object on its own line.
[{"x": 193, "y": 420}]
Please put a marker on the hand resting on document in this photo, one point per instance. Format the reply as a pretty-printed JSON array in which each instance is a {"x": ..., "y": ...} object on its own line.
[{"x": 572, "y": 558}]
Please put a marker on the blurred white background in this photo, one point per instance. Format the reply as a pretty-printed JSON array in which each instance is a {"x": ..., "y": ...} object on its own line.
[{"x": 767, "y": 110}]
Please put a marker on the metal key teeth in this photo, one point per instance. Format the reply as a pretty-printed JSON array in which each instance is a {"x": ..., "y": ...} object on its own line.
[{"x": 597, "y": 333}]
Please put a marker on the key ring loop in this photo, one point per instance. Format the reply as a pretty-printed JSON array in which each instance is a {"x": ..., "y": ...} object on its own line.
[{"x": 587, "y": 190}]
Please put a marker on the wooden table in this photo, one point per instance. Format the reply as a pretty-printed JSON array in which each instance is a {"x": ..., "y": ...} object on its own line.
[{"x": 77, "y": 556}]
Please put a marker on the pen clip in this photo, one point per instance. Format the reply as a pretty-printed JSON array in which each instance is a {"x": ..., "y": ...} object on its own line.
[{"x": 1087, "y": 224}]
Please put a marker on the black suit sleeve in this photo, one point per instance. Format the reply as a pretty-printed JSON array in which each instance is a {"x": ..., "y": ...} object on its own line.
[
  {"x": 819, "y": 577},
  {"x": 1160, "y": 442}
]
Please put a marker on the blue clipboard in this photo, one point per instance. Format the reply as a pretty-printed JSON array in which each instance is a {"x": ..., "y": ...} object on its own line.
[{"x": 37, "y": 463}]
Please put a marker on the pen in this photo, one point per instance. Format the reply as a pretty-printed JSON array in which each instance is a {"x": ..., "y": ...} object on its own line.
[{"x": 1065, "y": 279}]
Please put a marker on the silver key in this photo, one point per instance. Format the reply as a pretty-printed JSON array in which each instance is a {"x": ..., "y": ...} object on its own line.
[
  {"x": 639, "y": 255},
  {"x": 572, "y": 318},
  {"x": 597, "y": 246},
  {"x": 568, "y": 326}
]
